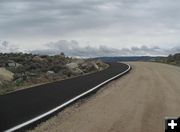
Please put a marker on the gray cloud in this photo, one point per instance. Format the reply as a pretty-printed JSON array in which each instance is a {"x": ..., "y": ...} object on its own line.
[
  {"x": 64, "y": 16},
  {"x": 47, "y": 17},
  {"x": 72, "y": 48},
  {"x": 118, "y": 23}
]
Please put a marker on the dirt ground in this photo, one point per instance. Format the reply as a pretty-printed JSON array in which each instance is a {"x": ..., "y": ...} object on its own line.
[{"x": 137, "y": 102}]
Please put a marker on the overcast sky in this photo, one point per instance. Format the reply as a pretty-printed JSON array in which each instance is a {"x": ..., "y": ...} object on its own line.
[{"x": 115, "y": 27}]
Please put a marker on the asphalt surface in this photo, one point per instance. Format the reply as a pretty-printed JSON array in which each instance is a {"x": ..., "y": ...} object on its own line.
[{"x": 21, "y": 106}]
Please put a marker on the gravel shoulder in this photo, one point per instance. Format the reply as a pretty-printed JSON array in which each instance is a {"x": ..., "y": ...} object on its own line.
[{"x": 137, "y": 102}]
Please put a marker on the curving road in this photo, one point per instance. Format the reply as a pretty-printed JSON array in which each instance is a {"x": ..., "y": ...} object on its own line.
[
  {"x": 137, "y": 102},
  {"x": 22, "y": 107}
]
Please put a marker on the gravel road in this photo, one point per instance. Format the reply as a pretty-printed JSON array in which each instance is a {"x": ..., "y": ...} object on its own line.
[{"x": 137, "y": 102}]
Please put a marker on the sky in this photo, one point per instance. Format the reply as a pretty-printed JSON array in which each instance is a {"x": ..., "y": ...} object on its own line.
[{"x": 90, "y": 27}]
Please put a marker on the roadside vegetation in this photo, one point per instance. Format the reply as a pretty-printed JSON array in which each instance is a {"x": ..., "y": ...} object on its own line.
[
  {"x": 171, "y": 59},
  {"x": 20, "y": 70}
]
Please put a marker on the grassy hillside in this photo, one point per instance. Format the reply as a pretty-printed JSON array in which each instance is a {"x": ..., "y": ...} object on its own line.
[
  {"x": 171, "y": 59},
  {"x": 23, "y": 70}
]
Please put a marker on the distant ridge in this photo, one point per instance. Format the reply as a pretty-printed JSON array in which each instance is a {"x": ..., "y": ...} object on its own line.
[{"x": 127, "y": 58}]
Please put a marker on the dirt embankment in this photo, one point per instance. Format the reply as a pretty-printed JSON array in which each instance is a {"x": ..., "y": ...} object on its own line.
[{"x": 137, "y": 102}]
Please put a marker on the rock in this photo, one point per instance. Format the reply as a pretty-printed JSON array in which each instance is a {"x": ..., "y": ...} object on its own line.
[
  {"x": 90, "y": 66},
  {"x": 72, "y": 65},
  {"x": 101, "y": 64},
  {"x": 32, "y": 74},
  {"x": 74, "y": 68},
  {"x": 77, "y": 71},
  {"x": 37, "y": 58},
  {"x": 95, "y": 66},
  {"x": 50, "y": 72},
  {"x": 11, "y": 63},
  {"x": 78, "y": 61},
  {"x": 14, "y": 64},
  {"x": 84, "y": 65}
]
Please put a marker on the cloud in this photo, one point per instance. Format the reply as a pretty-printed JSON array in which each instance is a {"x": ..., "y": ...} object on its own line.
[
  {"x": 50, "y": 17},
  {"x": 122, "y": 24},
  {"x": 6, "y": 47},
  {"x": 72, "y": 48},
  {"x": 61, "y": 17}
]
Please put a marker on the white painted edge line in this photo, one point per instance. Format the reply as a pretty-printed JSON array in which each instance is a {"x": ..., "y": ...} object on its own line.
[{"x": 65, "y": 104}]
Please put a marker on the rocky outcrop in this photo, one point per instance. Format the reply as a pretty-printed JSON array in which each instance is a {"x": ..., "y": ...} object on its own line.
[
  {"x": 37, "y": 58},
  {"x": 72, "y": 65},
  {"x": 74, "y": 68},
  {"x": 89, "y": 66},
  {"x": 12, "y": 63}
]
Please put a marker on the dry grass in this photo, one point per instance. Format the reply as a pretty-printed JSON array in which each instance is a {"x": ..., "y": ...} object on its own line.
[{"x": 5, "y": 75}]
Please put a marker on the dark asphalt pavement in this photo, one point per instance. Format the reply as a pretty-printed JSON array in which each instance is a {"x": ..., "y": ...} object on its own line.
[{"x": 21, "y": 106}]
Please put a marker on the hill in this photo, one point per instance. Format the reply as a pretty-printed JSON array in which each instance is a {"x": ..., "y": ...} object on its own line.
[
  {"x": 127, "y": 58},
  {"x": 171, "y": 59}
]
